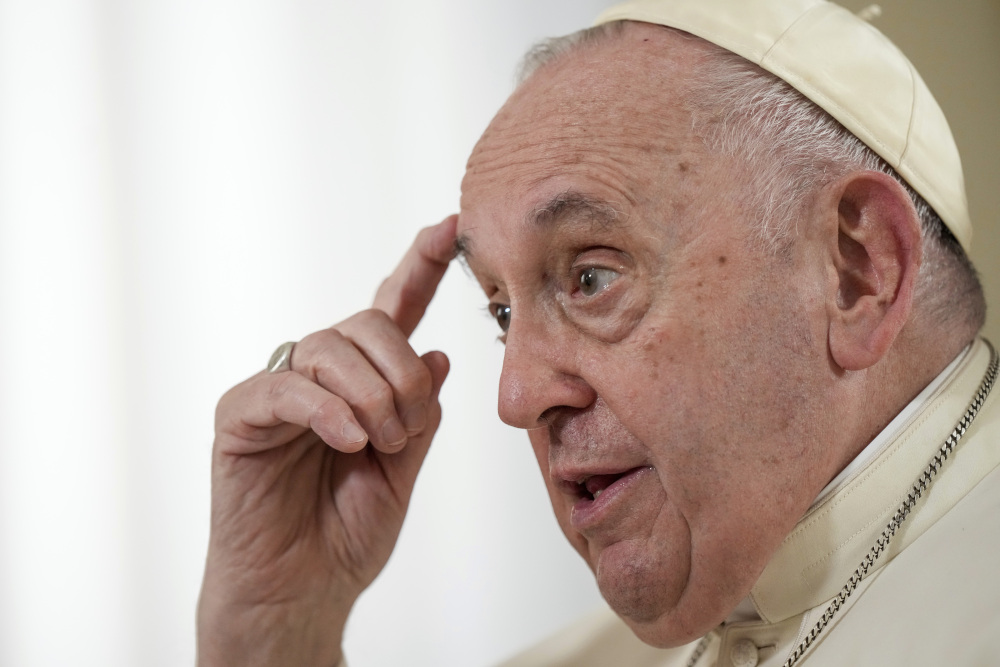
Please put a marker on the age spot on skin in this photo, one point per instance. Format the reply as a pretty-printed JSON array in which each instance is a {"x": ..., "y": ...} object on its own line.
[{"x": 652, "y": 340}]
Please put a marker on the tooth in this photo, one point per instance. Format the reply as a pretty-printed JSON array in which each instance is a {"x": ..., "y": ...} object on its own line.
[{"x": 597, "y": 493}]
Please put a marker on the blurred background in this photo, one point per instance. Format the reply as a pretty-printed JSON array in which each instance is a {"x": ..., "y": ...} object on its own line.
[{"x": 186, "y": 184}]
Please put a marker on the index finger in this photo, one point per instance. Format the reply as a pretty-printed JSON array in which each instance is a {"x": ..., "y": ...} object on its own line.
[{"x": 405, "y": 294}]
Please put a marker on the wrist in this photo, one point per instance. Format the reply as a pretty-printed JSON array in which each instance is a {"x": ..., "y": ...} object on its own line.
[{"x": 231, "y": 634}]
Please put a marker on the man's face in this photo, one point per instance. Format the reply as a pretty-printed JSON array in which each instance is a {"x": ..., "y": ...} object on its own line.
[{"x": 664, "y": 368}]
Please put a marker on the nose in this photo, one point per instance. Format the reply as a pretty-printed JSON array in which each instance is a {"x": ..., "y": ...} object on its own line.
[{"x": 540, "y": 373}]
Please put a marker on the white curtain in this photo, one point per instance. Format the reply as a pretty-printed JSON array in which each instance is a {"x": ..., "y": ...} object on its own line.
[{"x": 184, "y": 184}]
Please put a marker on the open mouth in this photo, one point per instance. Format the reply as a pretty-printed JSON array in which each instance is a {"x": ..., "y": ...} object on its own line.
[
  {"x": 597, "y": 499},
  {"x": 591, "y": 487}
]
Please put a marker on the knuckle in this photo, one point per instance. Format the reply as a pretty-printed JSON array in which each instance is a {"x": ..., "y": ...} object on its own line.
[
  {"x": 282, "y": 385},
  {"x": 316, "y": 342},
  {"x": 376, "y": 398},
  {"x": 239, "y": 399},
  {"x": 314, "y": 351},
  {"x": 416, "y": 382},
  {"x": 372, "y": 317}
]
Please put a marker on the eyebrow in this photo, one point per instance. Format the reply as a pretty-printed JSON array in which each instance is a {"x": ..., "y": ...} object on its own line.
[
  {"x": 562, "y": 208},
  {"x": 576, "y": 206},
  {"x": 462, "y": 248}
]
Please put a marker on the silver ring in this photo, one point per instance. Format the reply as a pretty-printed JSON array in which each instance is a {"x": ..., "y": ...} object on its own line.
[{"x": 281, "y": 360}]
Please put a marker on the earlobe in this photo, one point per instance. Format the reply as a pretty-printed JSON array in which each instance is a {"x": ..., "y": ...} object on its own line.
[{"x": 876, "y": 256}]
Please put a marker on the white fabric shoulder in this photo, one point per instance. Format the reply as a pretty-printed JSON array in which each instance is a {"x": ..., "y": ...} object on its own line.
[{"x": 598, "y": 640}]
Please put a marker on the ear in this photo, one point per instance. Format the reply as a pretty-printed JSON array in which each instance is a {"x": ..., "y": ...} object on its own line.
[{"x": 876, "y": 256}]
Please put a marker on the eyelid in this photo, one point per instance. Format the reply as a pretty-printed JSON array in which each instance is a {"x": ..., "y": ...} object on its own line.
[
  {"x": 580, "y": 268},
  {"x": 601, "y": 257}
]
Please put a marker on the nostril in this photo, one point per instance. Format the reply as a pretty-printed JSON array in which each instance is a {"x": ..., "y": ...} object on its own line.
[{"x": 548, "y": 417}]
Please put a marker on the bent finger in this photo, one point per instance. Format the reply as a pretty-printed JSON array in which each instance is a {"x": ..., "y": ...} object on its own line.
[
  {"x": 402, "y": 468},
  {"x": 386, "y": 348},
  {"x": 336, "y": 362},
  {"x": 270, "y": 410}
]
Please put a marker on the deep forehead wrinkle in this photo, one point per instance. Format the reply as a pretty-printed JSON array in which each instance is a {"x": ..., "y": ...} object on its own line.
[{"x": 566, "y": 207}]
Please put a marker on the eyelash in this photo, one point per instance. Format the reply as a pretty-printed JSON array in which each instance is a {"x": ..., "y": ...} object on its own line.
[{"x": 490, "y": 311}]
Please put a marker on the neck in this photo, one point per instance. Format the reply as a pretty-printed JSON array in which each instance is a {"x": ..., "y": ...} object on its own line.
[{"x": 880, "y": 392}]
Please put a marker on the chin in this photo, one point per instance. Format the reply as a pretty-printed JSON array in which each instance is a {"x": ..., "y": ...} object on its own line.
[
  {"x": 660, "y": 625},
  {"x": 653, "y": 595},
  {"x": 648, "y": 593},
  {"x": 664, "y": 634}
]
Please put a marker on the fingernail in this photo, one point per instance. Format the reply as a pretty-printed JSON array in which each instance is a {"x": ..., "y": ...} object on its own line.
[
  {"x": 416, "y": 418},
  {"x": 353, "y": 434},
  {"x": 393, "y": 433}
]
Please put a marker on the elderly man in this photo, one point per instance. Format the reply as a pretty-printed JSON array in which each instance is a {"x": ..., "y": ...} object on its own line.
[{"x": 723, "y": 241}]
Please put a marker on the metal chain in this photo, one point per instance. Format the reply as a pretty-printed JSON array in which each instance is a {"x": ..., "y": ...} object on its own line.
[
  {"x": 698, "y": 651},
  {"x": 921, "y": 485},
  {"x": 904, "y": 510}
]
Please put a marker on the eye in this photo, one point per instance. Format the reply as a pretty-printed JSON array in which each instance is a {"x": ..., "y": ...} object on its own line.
[
  {"x": 501, "y": 313},
  {"x": 594, "y": 279}
]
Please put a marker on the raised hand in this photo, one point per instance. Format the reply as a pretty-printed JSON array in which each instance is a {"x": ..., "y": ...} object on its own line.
[{"x": 312, "y": 473}]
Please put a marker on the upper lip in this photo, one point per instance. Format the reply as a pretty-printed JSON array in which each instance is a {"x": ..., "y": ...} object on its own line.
[{"x": 590, "y": 443}]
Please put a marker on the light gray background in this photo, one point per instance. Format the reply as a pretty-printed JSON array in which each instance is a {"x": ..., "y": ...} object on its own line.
[{"x": 186, "y": 184}]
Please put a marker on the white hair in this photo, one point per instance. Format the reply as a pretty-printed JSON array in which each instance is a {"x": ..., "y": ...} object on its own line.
[{"x": 791, "y": 147}]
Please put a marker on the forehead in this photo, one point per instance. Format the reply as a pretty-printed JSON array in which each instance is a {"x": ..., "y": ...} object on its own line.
[{"x": 609, "y": 121}]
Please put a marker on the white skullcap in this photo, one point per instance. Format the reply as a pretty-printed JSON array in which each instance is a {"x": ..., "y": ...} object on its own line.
[{"x": 844, "y": 65}]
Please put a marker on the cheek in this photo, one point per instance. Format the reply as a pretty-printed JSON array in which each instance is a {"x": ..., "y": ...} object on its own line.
[
  {"x": 647, "y": 382},
  {"x": 700, "y": 361},
  {"x": 617, "y": 320}
]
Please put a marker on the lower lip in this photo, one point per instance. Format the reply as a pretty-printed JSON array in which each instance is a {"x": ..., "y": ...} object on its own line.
[{"x": 588, "y": 514}]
